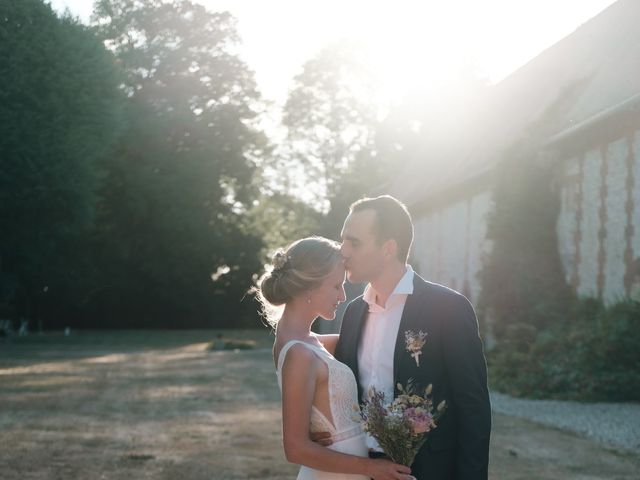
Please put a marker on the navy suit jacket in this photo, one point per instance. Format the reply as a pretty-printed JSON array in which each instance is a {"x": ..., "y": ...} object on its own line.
[{"x": 453, "y": 362}]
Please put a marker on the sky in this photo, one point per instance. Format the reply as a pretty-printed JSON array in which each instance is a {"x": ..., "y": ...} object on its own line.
[{"x": 496, "y": 36}]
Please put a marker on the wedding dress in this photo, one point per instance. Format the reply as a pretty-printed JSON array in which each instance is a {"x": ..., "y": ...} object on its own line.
[{"x": 346, "y": 432}]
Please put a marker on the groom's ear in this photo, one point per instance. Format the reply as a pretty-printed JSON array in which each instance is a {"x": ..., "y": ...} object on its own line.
[{"x": 390, "y": 248}]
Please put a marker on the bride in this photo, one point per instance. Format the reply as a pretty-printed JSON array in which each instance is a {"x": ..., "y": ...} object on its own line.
[{"x": 319, "y": 394}]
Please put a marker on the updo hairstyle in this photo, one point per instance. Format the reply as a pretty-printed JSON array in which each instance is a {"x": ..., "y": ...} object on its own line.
[{"x": 300, "y": 267}]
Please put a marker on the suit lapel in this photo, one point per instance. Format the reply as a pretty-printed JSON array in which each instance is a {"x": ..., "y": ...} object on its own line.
[
  {"x": 360, "y": 315},
  {"x": 410, "y": 313}
]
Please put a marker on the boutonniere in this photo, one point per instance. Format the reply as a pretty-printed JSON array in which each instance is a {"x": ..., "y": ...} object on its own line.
[{"x": 414, "y": 343}]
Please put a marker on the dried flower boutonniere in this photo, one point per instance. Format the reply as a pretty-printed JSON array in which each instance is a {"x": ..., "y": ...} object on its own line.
[{"x": 414, "y": 343}]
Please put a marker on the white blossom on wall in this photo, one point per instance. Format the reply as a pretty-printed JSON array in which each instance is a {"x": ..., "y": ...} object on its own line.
[
  {"x": 616, "y": 215},
  {"x": 589, "y": 244}
]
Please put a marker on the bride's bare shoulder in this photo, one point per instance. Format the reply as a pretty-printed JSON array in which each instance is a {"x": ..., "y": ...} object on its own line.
[
  {"x": 298, "y": 358},
  {"x": 295, "y": 350}
]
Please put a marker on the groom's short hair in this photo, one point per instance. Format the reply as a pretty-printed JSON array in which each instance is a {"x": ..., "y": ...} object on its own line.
[{"x": 392, "y": 221}]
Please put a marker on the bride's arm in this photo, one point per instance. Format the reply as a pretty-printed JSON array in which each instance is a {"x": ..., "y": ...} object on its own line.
[
  {"x": 329, "y": 342},
  {"x": 299, "y": 373}
]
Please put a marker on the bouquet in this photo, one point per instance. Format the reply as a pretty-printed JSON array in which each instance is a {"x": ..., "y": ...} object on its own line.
[{"x": 402, "y": 426}]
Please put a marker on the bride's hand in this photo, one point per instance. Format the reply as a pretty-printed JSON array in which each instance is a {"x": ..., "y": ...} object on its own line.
[{"x": 383, "y": 469}]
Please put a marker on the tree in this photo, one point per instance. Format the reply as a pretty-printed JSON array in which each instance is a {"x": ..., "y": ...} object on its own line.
[
  {"x": 523, "y": 276},
  {"x": 59, "y": 114},
  {"x": 181, "y": 176},
  {"x": 523, "y": 282},
  {"x": 330, "y": 120},
  {"x": 281, "y": 219}
]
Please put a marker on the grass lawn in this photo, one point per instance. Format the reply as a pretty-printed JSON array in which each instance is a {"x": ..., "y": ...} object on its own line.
[{"x": 162, "y": 405}]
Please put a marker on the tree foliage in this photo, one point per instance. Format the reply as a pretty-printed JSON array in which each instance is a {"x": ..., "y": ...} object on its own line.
[
  {"x": 591, "y": 355},
  {"x": 171, "y": 233},
  {"x": 523, "y": 280},
  {"x": 59, "y": 114},
  {"x": 281, "y": 219},
  {"x": 331, "y": 121}
]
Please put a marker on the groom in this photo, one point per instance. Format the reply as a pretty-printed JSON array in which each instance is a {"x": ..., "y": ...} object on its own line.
[{"x": 376, "y": 238}]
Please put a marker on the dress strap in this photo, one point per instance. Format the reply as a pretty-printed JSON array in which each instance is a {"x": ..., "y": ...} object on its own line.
[{"x": 285, "y": 349}]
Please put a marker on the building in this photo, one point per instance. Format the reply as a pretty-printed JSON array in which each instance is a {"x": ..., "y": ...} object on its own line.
[{"x": 587, "y": 89}]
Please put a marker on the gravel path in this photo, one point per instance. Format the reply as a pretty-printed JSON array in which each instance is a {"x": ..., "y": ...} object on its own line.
[{"x": 612, "y": 424}]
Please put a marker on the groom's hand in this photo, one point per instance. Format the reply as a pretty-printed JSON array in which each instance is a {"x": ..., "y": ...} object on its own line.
[{"x": 321, "y": 438}]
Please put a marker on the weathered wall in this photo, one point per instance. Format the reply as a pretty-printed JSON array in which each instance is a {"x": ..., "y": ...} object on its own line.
[
  {"x": 598, "y": 225},
  {"x": 450, "y": 244}
]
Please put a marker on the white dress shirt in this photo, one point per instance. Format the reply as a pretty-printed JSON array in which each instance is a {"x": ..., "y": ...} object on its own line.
[{"x": 378, "y": 340}]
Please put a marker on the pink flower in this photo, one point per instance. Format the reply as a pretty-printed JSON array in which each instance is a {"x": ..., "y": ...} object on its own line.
[{"x": 421, "y": 421}]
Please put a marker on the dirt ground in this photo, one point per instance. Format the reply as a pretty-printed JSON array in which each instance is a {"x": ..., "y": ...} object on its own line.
[{"x": 137, "y": 405}]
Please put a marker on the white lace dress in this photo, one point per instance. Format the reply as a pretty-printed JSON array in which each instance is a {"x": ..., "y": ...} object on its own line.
[{"x": 346, "y": 432}]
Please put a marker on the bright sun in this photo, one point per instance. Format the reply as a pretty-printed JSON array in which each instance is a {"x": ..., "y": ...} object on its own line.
[
  {"x": 411, "y": 41},
  {"x": 424, "y": 42}
]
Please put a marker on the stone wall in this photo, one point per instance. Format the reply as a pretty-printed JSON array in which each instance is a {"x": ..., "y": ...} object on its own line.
[
  {"x": 598, "y": 226},
  {"x": 450, "y": 244},
  {"x": 633, "y": 214}
]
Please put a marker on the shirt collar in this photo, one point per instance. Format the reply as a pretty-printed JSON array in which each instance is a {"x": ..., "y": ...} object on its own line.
[{"x": 403, "y": 287}]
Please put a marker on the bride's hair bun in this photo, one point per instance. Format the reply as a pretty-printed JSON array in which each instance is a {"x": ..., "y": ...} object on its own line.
[{"x": 300, "y": 267}]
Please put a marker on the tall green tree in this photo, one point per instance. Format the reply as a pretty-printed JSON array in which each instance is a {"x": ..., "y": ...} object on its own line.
[
  {"x": 281, "y": 219},
  {"x": 173, "y": 241},
  {"x": 523, "y": 277},
  {"x": 330, "y": 118},
  {"x": 522, "y": 281},
  {"x": 59, "y": 113}
]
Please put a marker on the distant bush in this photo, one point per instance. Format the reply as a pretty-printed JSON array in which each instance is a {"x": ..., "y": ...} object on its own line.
[
  {"x": 548, "y": 343},
  {"x": 592, "y": 355},
  {"x": 231, "y": 344}
]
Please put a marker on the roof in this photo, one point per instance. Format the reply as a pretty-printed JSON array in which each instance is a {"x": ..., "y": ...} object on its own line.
[{"x": 585, "y": 76}]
